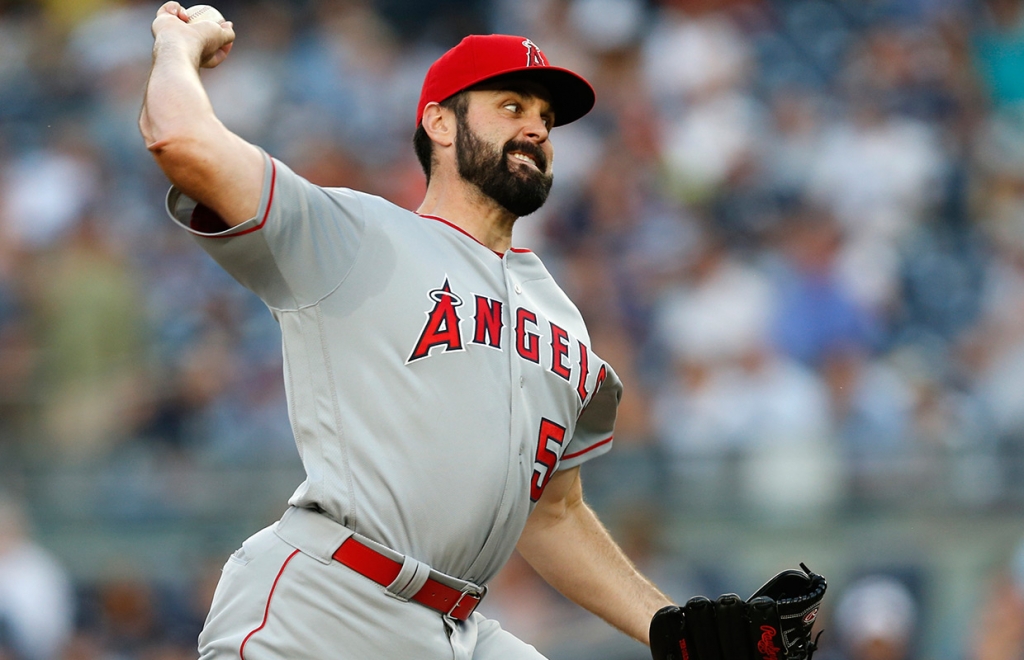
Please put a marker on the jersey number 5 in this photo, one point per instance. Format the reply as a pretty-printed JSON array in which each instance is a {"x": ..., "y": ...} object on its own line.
[{"x": 548, "y": 444}]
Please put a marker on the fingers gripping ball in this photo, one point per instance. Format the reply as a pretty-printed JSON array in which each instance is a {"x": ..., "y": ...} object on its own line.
[
  {"x": 775, "y": 623},
  {"x": 218, "y": 40},
  {"x": 198, "y": 13}
]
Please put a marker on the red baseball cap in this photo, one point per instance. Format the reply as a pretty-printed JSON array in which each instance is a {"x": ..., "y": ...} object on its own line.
[{"x": 481, "y": 57}]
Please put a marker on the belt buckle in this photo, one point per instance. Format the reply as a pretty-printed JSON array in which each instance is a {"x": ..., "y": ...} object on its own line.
[{"x": 468, "y": 590}]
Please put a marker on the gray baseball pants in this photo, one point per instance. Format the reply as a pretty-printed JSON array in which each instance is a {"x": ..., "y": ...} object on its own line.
[{"x": 287, "y": 600}]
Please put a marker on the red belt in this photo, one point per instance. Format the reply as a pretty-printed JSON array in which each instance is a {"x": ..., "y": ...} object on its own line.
[{"x": 453, "y": 603}]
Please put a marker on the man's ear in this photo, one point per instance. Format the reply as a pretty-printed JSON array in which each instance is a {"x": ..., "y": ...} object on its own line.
[{"x": 439, "y": 124}]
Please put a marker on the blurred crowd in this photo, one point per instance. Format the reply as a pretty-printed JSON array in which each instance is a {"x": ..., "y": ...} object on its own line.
[{"x": 795, "y": 228}]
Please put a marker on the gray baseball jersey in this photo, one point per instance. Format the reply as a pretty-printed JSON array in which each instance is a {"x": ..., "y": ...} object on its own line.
[{"x": 434, "y": 386}]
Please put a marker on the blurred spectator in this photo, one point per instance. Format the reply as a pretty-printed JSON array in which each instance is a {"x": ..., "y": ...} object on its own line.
[
  {"x": 17, "y": 352},
  {"x": 693, "y": 53},
  {"x": 997, "y": 631},
  {"x": 735, "y": 401},
  {"x": 788, "y": 150},
  {"x": 46, "y": 191},
  {"x": 877, "y": 618},
  {"x": 718, "y": 310},
  {"x": 707, "y": 323},
  {"x": 67, "y": 13},
  {"x": 350, "y": 78},
  {"x": 607, "y": 25},
  {"x": 998, "y": 337},
  {"x": 873, "y": 407},
  {"x": 999, "y": 51},
  {"x": 128, "y": 617},
  {"x": 697, "y": 65},
  {"x": 247, "y": 96},
  {"x": 108, "y": 38},
  {"x": 36, "y": 596},
  {"x": 111, "y": 48},
  {"x": 878, "y": 169},
  {"x": 817, "y": 314},
  {"x": 991, "y": 349},
  {"x": 87, "y": 308}
]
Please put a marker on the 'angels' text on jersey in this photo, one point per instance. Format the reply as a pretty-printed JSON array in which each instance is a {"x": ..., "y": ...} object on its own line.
[{"x": 556, "y": 350}]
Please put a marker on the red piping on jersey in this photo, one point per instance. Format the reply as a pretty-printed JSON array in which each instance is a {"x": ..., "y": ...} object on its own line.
[
  {"x": 458, "y": 228},
  {"x": 266, "y": 214},
  {"x": 266, "y": 612},
  {"x": 590, "y": 448}
]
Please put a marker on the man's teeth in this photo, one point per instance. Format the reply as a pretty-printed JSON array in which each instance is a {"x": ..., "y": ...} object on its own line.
[{"x": 524, "y": 158}]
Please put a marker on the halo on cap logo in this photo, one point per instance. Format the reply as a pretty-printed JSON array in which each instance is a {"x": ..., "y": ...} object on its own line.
[{"x": 533, "y": 55}]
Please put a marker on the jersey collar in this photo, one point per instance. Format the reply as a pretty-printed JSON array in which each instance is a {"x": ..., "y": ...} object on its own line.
[{"x": 460, "y": 229}]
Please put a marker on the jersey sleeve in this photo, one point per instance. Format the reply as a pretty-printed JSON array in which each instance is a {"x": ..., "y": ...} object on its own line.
[
  {"x": 596, "y": 425},
  {"x": 296, "y": 249}
]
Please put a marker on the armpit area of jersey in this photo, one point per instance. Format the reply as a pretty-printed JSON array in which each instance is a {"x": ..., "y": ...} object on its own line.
[
  {"x": 207, "y": 221},
  {"x": 201, "y": 220}
]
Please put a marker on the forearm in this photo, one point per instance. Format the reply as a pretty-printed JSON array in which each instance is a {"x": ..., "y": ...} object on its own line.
[
  {"x": 199, "y": 155},
  {"x": 175, "y": 98},
  {"x": 570, "y": 548},
  {"x": 177, "y": 121}
]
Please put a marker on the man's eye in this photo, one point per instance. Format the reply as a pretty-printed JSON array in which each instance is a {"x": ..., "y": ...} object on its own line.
[{"x": 514, "y": 107}]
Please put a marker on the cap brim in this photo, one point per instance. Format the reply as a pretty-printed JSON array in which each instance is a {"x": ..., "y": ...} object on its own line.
[{"x": 571, "y": 95}]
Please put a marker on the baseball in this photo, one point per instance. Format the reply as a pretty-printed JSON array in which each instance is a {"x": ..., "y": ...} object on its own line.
[{"x": 203, "y": 13}]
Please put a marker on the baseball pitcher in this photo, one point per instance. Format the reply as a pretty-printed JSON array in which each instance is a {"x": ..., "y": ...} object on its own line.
[{"x": 442, "y": 390}]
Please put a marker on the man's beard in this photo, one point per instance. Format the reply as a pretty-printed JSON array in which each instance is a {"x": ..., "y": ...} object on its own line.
[{"x": 519, "y": 189}]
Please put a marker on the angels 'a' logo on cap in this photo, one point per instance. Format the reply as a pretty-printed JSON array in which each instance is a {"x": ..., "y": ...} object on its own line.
[{"x": 534, "y": 57}]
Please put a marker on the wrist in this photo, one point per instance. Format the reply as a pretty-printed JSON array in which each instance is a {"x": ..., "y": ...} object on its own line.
[{"x": 173, "y": 46}]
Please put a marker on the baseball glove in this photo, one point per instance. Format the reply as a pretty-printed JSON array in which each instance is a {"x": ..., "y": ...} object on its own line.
[{"x": 773, "y": 624}]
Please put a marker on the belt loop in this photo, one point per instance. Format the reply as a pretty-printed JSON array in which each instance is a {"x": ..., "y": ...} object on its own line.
[{"x": 409, "y": 580}]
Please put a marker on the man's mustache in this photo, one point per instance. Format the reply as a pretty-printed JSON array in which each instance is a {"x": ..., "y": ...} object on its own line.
[{"x": 527, "y": 149}]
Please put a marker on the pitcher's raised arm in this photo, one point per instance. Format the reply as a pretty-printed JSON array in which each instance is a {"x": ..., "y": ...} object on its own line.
[{"x": 199, "y": 155}]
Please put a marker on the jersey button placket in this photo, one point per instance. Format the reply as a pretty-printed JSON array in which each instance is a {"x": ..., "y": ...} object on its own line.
[
  {"x": 510, "y": 504},
  {"x": 519, "y": 291},
  {"x": 515, "y": 290},
  {"x": 514, "y": 305}
]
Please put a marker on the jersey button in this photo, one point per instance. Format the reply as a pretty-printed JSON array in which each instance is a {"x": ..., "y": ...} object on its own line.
[
  {"x": 521, "y": 379},
  {"x": 519, "y": 289}
]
